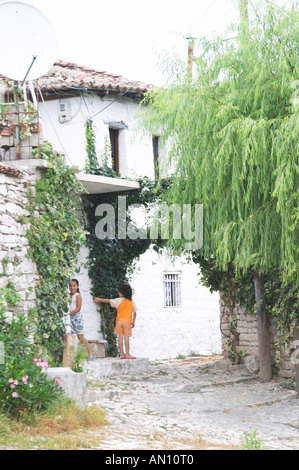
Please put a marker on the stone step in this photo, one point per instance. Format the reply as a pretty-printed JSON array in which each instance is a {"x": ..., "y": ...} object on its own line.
[
  {"x": 115, "y": 366},
  {"x": 96, "y": 395}
]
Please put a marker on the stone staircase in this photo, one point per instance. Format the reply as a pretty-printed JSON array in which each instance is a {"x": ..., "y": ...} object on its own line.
[
  {"x": 75, "y": 384},
  {"x": 115, "y": 366}
]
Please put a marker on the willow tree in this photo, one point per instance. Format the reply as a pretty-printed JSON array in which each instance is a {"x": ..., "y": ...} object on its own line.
[{"x": 232, "y": 132}]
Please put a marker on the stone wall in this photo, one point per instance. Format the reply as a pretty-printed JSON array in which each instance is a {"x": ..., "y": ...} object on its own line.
[
  {"x": 15, "y": 266},
  {"x": 246, "y": 340}
]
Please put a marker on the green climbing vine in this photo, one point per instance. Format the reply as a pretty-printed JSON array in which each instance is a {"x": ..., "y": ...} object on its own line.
[
  {"x": 112, "y": 261},
  {"x": 55, "y": 237},
  {"x": 91, "y": 163}
]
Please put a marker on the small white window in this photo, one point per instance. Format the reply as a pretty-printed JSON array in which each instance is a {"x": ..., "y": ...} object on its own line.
[{"x": 172, "y": 289}]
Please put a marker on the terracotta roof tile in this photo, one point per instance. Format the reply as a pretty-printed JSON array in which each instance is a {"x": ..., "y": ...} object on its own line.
[{"x": 64, "y": 74}]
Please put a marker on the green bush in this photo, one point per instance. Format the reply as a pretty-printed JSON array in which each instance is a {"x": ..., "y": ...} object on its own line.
[{"x": 24, "y": 385}]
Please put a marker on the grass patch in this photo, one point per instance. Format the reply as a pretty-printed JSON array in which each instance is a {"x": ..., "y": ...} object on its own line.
[{"x": 62, "y": 427}]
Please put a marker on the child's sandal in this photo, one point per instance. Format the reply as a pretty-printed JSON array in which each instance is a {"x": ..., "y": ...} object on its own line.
[{"x": 91, "y": 358}]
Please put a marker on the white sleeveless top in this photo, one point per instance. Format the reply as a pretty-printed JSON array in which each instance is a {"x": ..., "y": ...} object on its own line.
[{"x": 73, "y": 304}]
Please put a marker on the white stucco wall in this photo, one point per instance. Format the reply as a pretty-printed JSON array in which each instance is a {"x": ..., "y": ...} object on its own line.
[
  {"x": 163, "y": 333},
  {"x": 135, "y": 149},
  {"x": 160, "y": 332}
]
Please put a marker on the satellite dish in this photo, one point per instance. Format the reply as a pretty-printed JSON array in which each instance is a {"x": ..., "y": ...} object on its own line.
[{"x": 28, "y": 42}]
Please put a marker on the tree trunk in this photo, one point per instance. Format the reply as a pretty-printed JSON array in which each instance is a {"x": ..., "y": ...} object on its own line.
[{"x": 263, "y": 329}]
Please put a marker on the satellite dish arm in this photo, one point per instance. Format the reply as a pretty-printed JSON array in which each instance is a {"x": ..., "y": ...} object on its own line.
[{"x": 34, "y": 58}]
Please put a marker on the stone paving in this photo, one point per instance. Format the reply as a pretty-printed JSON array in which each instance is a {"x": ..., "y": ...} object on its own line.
[{"x": 193, "y": 404}]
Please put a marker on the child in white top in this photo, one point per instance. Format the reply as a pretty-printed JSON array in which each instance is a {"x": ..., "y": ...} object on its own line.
[{"x": 77, "y": 326}]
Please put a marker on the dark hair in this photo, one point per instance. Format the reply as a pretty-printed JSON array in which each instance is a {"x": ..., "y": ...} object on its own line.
[
  {"x": 126, "y": 291},
  {"x": 77, "y": 282}
]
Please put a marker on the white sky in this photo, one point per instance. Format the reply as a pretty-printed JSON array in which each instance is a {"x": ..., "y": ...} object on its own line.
[{"x": 127, "y": 37}]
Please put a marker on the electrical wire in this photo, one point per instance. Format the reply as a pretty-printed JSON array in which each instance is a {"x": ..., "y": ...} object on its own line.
[
  {"x": 130, "y": 88},
  {"x": 152, "y": 68},
  {"x": 112, "y": 102}
]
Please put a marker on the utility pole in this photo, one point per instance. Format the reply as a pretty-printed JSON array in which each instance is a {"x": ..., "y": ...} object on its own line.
[
  {"x": 190, "y": 56},
  {"x": 243, "y": 8}
]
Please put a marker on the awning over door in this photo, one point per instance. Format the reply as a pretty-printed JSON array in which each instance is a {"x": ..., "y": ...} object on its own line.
[{"x": 95, "y": 184}]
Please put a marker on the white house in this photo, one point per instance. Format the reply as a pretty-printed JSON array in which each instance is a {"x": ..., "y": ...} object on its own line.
[{"x": 176, "y": 315}]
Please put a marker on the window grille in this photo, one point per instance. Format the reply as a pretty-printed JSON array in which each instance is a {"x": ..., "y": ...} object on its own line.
[{"x": 172, "y": 290}]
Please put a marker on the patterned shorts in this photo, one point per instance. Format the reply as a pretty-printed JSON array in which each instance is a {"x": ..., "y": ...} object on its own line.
[{"x": 77, "y": 325}]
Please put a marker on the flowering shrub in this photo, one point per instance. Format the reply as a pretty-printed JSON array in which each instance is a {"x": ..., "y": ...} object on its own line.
[{"x": 24, "y": 384}]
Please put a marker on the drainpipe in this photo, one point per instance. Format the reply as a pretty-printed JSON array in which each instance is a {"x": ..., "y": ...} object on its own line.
[
  {"x": 190, "y": 56},
  {"x": 17, "y": 120}
]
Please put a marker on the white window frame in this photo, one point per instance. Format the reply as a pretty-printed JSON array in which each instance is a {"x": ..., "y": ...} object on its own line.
[{"x": 172, "y": 287}]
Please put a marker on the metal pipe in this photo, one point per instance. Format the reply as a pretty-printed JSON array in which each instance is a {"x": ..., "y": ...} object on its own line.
[
  {"x": 34, "y": 58},
  {"x": 17, "y": 120}
]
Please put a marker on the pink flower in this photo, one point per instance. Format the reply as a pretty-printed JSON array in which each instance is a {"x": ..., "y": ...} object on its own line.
[
  {"x": 24, "y": 379},
  {"x": 57, "y": 381},
  {"x": 12, "y": 386},
  {"x": 16, "y": 382},
  {"x": 11, "y": 380},
  {"x": 26, "y": 327},
  {"x": 42, "y": 364},
  {"x": 35, "y": 359},
  {"x": 15, "y": 395}
]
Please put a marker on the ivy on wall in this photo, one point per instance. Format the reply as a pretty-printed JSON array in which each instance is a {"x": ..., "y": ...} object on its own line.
[
  {"x": 91, "y": 163},
  {"x": 112, "y": 261},
  {"x": 55, "y": 237}
]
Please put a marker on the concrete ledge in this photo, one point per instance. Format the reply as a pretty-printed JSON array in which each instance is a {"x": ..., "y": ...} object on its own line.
[
  {"x": 95, "y": 184},
  {"x": 115, "y": 366},
  {"x": 27, "y": 162},
  {"x": 73, "y": 383}
]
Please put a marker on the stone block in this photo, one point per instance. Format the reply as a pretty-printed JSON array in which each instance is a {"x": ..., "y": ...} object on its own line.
[
  {"x": 3, "y": 190},
  {"x": 115, "y": 366},
  {"x": 3, "y": 281},
  {"x": 98, "y": 348},
  {"x": 73, "y": 383},
  {"x": 6, "y": 141},
  {"x": 252, "y": 364},
  {"x": 69, "y": 350}
]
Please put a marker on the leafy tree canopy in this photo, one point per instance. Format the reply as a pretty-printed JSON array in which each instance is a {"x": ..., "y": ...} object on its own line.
[{"x": 232, "y": 130}]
